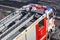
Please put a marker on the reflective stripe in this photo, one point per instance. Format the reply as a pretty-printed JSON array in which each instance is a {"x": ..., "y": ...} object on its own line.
[{"x": 43, "y": 37}]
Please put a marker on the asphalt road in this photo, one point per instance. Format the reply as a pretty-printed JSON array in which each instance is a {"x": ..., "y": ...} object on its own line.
[{"x": 5, "y": 11}]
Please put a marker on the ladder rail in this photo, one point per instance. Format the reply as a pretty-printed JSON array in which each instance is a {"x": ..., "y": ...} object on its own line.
[
  {"x": 20, "y": 21},
  {"x": 16, "y": 29},
  {"x": 6, "y": 25},
  {"x": 10, "y": 18}
]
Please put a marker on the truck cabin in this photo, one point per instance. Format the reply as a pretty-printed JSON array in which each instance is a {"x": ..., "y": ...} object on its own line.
[{"x": 38, "y": 11}]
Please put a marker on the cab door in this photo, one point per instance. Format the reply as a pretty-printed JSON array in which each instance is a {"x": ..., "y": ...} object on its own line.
[
  {"x": 41, "y": 30},
  {"x": 51, "y": 26}
]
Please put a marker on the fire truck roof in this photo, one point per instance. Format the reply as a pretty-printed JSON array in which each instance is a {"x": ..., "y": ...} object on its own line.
[
  {"x": 40, "y": 7},
  {"x": 37, "y": 8}
]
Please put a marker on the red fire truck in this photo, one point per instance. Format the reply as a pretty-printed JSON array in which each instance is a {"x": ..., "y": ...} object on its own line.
[{"x": 36, "y": 27}]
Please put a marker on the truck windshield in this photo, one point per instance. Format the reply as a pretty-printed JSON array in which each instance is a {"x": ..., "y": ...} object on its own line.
[{"x": 40, "y": 14}]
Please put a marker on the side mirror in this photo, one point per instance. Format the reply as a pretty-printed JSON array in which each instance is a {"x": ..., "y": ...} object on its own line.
[
  {"x": 54, "y": 8},
  {"x": 54, "y": 11}
]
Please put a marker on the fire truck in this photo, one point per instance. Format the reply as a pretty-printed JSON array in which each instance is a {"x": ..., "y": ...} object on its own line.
[{"x": 30, "y": 22}]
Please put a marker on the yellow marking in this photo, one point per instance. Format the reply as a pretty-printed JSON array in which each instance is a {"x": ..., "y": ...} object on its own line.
[
  {"x": 43, "y": 37},
  {"x": 20, "y": 36}
]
